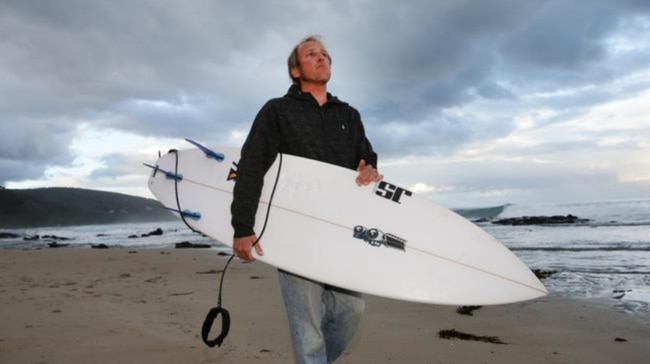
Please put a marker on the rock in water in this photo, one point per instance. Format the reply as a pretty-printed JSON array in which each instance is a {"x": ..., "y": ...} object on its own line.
[
  {"x": 541, "y": 220},
  {"x": 152, "y": 233}
]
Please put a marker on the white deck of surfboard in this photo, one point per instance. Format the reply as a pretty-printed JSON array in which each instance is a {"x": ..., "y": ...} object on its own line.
[{"x": 447, "y": 259}]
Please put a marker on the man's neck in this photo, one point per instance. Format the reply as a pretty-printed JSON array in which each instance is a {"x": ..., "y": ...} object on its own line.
[{"x": 319, "y": 92}]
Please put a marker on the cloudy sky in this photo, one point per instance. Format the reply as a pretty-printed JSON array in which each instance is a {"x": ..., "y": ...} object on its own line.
[{"x": 470, "y": 102}]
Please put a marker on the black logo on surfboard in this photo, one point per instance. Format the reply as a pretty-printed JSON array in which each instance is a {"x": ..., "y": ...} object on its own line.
[
  {"x": 391, "y": 192},
  {"x": 376, "y": 238}
]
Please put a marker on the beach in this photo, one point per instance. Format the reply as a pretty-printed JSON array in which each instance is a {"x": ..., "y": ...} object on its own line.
[{"x": 148, "y": 305}]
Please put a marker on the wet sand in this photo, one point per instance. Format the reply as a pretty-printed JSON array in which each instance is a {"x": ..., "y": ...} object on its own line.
[{"x": 145, "y": 306}]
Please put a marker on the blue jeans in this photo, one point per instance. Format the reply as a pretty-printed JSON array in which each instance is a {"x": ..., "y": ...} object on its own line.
[{"x": 322, "y": 318}]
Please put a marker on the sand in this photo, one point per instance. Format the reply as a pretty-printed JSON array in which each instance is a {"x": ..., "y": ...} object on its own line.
[{"x": 147, "y": 306}]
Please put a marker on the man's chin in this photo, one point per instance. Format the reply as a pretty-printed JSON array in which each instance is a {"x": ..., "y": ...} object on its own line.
[{"x": 320, "y": 82}]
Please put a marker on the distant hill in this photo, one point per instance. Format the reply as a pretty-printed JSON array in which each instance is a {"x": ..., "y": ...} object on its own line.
[{"x": 75, "y": 206}]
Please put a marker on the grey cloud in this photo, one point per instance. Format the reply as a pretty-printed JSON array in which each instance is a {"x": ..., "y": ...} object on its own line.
[
  {"x": 564, "y": 34},
  {"x": 494, "y": 91},
  {"x": 451, "y": 53},
  {"x": 494, "y": 182},
  {"x": 28, "y": 147},
  {"x": 95, "y": 54},
  {"x": 18, "y": 170},
  {"x": 93, "y": 61},
  {"x": 438, "y": 135},
  {"x": 199, "y": 69},
  {"x": 116, "y": 165}
]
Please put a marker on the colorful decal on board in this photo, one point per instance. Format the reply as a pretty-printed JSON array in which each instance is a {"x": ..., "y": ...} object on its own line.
[
  {"x": 232, "y": 175},
  {"x": 376, "y": 238}
]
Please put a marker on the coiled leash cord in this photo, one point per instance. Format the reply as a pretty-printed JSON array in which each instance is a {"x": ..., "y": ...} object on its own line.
[
  {"x": 218, "y": 310},
  {"x": 215, "y": 311}
]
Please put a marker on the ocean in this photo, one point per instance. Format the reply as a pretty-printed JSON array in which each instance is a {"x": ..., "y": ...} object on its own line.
[{"x": 606, "y": 257}]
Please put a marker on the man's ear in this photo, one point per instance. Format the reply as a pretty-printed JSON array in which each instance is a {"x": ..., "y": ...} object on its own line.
[{"x": 295, "y": 72}]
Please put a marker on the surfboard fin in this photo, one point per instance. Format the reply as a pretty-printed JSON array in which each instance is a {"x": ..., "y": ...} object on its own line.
[
  {"x": 169, "y": 175},
  {"x": 187, "y": 213},
  {"x": 219, "y": 157}
]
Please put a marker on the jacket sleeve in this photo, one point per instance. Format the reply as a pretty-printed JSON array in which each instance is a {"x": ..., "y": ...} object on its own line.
[
  {"x": 258, "y": 153},
  {"x": 364, "y": 148}
]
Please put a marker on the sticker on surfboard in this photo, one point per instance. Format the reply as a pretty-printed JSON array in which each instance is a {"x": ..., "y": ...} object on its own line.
[
  {"x": 376, "y": 238},
  {"x": 391, "y": 192}
]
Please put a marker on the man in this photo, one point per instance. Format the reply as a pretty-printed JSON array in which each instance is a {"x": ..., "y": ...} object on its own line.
[{"x": 308, "y": 122}]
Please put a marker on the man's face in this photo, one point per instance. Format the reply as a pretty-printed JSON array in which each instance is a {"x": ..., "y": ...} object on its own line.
[{"x": 313, "y": 64}]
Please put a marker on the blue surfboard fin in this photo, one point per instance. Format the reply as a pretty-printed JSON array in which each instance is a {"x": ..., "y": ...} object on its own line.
[
  {"x": 187, "y": 213},
  {"x": 169, "y": 175},
  {"x": 219, "y": 157}
]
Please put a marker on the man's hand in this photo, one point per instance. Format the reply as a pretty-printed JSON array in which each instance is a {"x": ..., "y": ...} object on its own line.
[
  {"x": 242, "y": 248},
  {"x": 367, "y": 174}
]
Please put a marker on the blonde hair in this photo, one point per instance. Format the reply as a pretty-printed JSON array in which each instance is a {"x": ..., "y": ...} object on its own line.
[{"x": 293, "y": 62}]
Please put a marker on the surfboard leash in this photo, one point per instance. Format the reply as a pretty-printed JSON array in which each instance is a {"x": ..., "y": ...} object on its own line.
[
  {"x": 219, "y": 310},
  {"x": 215, "y": 311},
  {"x": 178, "y": 202}
]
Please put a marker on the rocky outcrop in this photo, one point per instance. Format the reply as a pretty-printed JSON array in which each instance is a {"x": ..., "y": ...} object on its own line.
[
  {"x": 153, "y": 233},
  {"x": 4, "y": 235},
  {"x": 543, "y": 273},
  {"x": 541, "y": 220}
]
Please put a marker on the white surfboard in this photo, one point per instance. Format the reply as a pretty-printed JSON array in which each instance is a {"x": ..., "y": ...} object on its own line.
[{"x": 379, "y": 239}]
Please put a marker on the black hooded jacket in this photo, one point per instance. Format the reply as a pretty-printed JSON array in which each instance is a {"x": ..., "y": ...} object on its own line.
[{"x": 295, "y": 124}]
